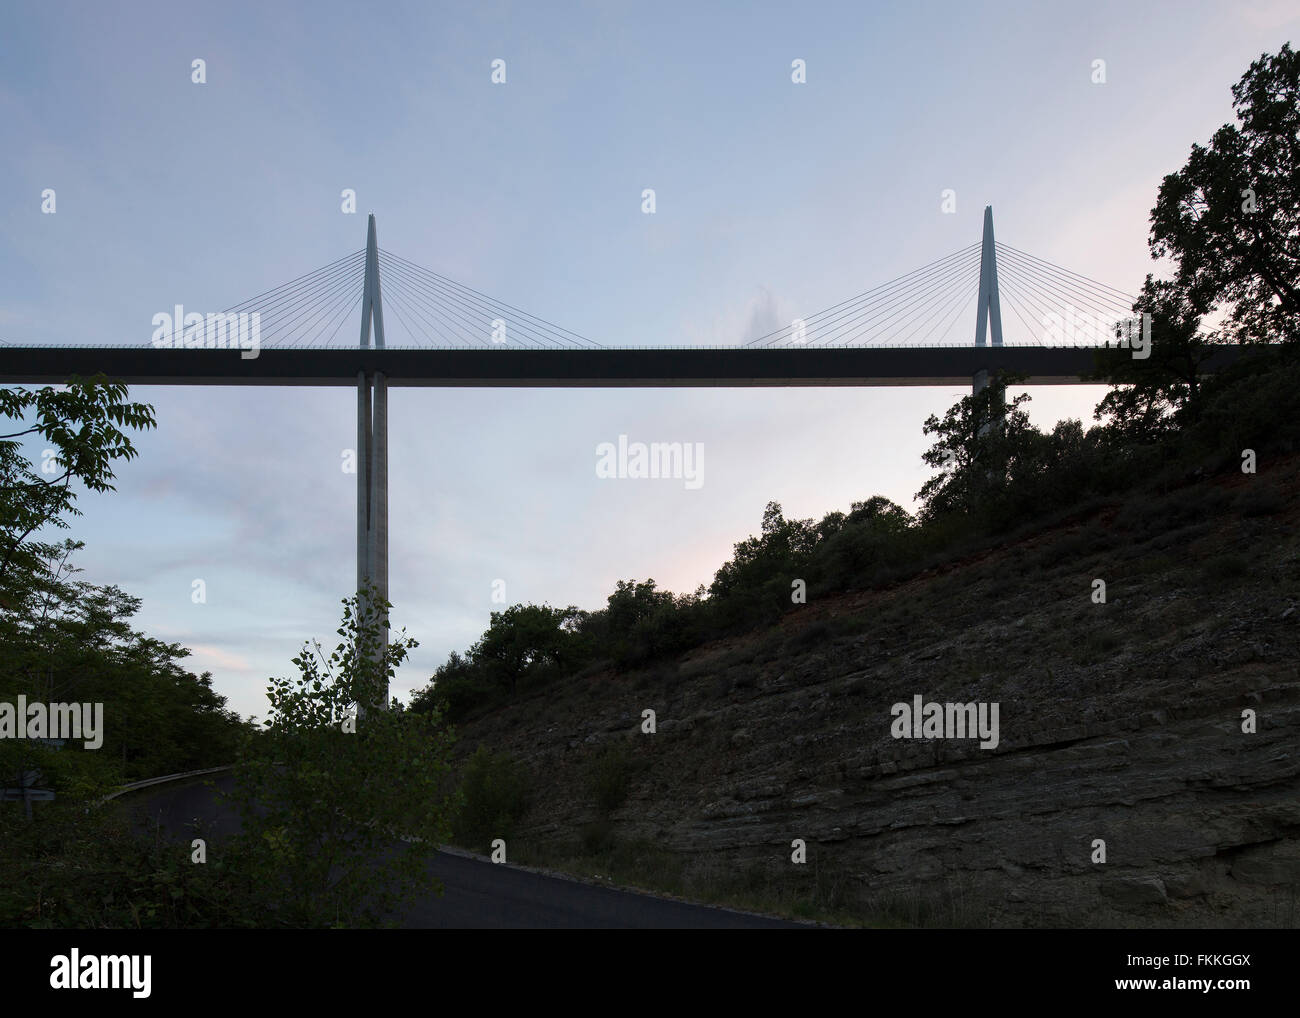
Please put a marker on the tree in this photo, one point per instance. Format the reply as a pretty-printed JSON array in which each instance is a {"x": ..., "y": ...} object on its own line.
[
  {"x": 528, "y": 641},
  {"x": 1150, "y": 393},
  {"x": 769, "y": 559},
  {"x": 872, "y": 539},
  {"x": 630, "y": 603},
  {"x": 1230, "y": 218},
  {"x": 82, "y": 422},
  {"x": 981, "y": 442},
  {"x": 66, "y": 640},
  {"x": 881, "y": 514},
  {"x": 325, "y": 795}
]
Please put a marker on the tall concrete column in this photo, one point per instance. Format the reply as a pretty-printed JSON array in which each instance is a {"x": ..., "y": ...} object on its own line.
[
  {"x": 372, "y": 454},
  {"x": 377, "y": 543},
  {"x": 988, "y": 311},
  {"x": 363, "y": 478}
]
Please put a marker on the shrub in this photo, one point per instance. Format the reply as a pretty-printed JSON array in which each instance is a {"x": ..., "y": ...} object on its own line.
[
  {"x": 323, "y": 796},
  {"x": 809, "y": 636},
  {"x": 597, "y": 837},
  {"x": 85, "y": 865},
  {"x": 1260, "y": 501},
  {"x": 609, "y": 776},
  {"x": 1225, "y": 568},
  {"x": 495, "y": 797}
]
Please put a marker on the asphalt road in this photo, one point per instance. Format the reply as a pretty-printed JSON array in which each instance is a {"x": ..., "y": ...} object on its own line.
[{"x": 477, "y": 894}]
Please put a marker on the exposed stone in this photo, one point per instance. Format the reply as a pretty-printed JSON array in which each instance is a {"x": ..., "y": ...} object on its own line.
[
  {"x": 1128, "y": 892},
  {"x": 1115, "y": 725}
]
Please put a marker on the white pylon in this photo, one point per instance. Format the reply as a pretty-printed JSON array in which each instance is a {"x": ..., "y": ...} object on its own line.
[
  {"x": 372, "y": 454},
  {"x": 988, "y": 309}
]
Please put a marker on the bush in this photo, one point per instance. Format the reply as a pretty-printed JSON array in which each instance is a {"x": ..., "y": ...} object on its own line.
[
  {"x": 1260, "y": 501},
  {"x": 597, "y": 837},
  {"x": 609, "y": 776},
  {"x": 82, "y": 865},
  {"x": 324, "y": 795},
  {"x": 809, "y": 636},
  {"x": 495, "y": 797},
  {"x": 1225, "y": 569}
]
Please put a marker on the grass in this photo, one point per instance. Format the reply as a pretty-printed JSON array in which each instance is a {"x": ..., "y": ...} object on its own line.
[
  {"x": 1225, "y": 569},
  {"x": 817, "y": 891}
]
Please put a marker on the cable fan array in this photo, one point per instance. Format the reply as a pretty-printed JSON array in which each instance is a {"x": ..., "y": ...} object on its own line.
[
  {"x": 898, "y": 312},
  {"x": 301, "y": 311},
  {"x": 923, "y": 307},
  {"x": 439, "y": 312},
  {"x": 432, "y": 310},
  {"x": 1042, "y": 304},
  {"x": 1056, "y": 306}
]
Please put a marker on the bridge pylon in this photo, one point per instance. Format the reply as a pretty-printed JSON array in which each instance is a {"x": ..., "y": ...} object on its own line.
[
  {"x": 988, "y": 309},
  {"x": 372, "y": 457}
]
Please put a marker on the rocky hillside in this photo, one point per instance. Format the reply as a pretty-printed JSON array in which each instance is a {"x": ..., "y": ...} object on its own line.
[{"x": 1119, "y": 722}]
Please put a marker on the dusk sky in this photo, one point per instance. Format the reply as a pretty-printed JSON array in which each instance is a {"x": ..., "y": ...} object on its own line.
[{"x": 773, "y": 200}]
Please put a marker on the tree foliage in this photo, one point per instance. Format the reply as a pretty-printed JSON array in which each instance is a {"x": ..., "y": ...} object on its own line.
[
  {"x": 1230, "y": 222},
  {"x": 83, "y": 424},
  {"x": 63, "y": 639},
  {"x": 981, "y": 442},
  {"x": 328, "y": 790},
  {"x": 1152, "y": 393},
  {"x": 1230, "y": 217}
]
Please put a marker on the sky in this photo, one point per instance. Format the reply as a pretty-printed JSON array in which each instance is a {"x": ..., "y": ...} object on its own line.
[{"x": 774, "y": 199}]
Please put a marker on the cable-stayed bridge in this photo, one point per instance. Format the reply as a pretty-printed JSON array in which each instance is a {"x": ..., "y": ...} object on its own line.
[
  {"x": 899, "y": 333},
  {"x": 431, "y": 330}
]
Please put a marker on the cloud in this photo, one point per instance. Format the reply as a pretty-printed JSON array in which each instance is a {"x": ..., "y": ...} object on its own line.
[
  {"x": 764, "y": 316},
  {"x": 204, "y": 654}
]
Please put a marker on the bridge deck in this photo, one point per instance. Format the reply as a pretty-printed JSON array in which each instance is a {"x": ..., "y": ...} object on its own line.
[{"x": 578, "y": 368}]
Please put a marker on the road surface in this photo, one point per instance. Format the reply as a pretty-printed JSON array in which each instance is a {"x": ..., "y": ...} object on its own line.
[{"x": 477, "y": 894}]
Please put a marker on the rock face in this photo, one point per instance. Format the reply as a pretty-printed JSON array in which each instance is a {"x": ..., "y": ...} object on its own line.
[{"x": 1119, "y": 723}]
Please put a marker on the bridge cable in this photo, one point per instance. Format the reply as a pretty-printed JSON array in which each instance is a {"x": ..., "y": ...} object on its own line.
[
  {"x": 1057, "y": 300},
  {"x": 327, "y": 309},
  {"x": 324, "y": 292},
  {"x": 909, "y": 301},
  {"x": 1104, "y": 286},
  {"x": 466, "y": 306},
  {"x": 437, "y": 278},
  {"x": 416, "y": 314},
  {"x": 878, "y": 307},
  {"x": 324, "y": 295},
  {"x": 868, "y": 293},
  {"x": 476, "y": 329},
  {"x": 1064, "y": 283},
  {"x": 906, "y": 296}
]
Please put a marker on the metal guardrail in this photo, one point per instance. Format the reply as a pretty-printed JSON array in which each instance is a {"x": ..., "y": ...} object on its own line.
[{"x": 166, "y": 777}]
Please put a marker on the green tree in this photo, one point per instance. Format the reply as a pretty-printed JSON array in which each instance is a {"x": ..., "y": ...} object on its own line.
[
  {"x": 1153, "y": 395},
  {"x": 65, "y": 640},
  {"x": 82, "y": 423},
  {"x": 528, "y": 642},
  {"x": 770, "y": 559},
  {"x": 1230, "y": 218},
  {"x": 327, "y": 792},
  {"x": 495, "y": 797},
  {"x": 983, "y": 442},
  {"x": 631, "y": 602},
  {"x": 881, "y": 514}
]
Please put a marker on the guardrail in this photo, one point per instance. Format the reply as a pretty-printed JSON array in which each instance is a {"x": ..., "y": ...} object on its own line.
[{"x": 166, "y": 777}]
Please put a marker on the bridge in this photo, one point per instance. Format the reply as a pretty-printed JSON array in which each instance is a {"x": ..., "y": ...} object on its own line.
[{"x": 894, "y": 334}]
